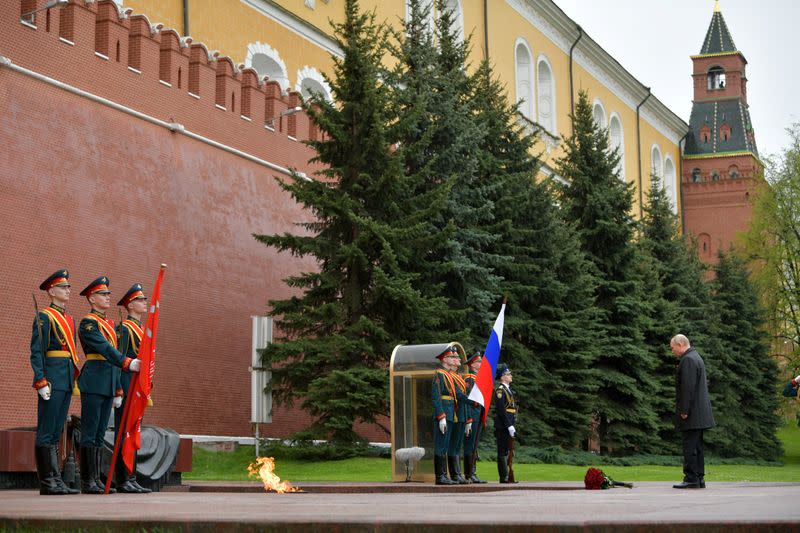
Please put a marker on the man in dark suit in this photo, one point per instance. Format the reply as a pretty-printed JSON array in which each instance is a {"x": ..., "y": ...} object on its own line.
[{"x": 692, "y": 409}]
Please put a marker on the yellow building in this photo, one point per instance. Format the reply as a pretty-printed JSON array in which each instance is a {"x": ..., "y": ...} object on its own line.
[{"x": 541, "y": 54}]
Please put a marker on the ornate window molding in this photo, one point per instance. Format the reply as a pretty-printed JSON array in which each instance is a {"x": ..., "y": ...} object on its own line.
[
  {"x": 267, "y": 62},
  {"x": 599, "y": 113},
  {"x": 656, "y": 161},
  {"x": 670, "y": 182},
  {"x": 616, "y": 135},
  {"x": 310, "y": 79}
]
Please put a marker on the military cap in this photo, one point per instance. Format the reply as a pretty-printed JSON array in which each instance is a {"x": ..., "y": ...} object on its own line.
[
  {"x": 134, "y": 293},
  {"x": 502, "y": 370},
  {"x": 59, "y": 278},
  {"x": 100, "y": 285},
  {"x": 447, "y": 351},
  {"x": 472, "y": 358}
]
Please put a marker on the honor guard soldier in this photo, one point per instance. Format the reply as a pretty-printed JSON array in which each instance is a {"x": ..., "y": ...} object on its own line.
[
  {"x": 504, "y": 417},
  {"x": 459, "y": 423},
  {"x": 98, "y": 381},
  {"x": 129, "y": 333},
  {"x": 443, "y": 394},
  {"x": 54, "y": 360},
  {"x": 472, "y": 432}
]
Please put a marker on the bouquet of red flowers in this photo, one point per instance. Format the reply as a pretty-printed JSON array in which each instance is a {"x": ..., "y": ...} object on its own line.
[{"x": 596, "y": 479}]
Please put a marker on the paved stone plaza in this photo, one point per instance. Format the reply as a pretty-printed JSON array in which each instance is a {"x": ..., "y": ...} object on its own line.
[{"x": 727, "y": 507}]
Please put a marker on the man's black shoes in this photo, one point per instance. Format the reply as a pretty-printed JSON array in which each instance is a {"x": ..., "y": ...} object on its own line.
[{"x": 687, "y": 485}]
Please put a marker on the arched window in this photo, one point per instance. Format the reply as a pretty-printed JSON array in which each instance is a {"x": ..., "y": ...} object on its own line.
[
  {"x": 716, "y": 78},
  {"x": 617, "y": 140},
  {"x": 424, "y": 4},
  {"x": 704, "y": 244},
  {"x": 733, "y": 172},
  {"x": 656, "y": 163},
  {"x": 524, "y": 64},
  {"x": 546, "y": 95},
  {"x": 454, "y": 6},
  {"x": 670, "y": 183},
  {"x": 310, "y": 81},
  {"x": 697, "y": 175},
  {"x": 267, "y": 62},
  {"x": 599, "y": 113}
]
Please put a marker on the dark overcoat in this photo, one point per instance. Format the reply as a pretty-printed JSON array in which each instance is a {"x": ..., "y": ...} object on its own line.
[{"x": 691, "y": 393}]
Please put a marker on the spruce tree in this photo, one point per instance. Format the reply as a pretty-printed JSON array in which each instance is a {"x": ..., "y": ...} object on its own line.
[
  {"x": 599, "y": 204},
  {"x": 752, "y": 371},
  {"x": 439, "y": 142},
  {"x": 551, "y": 321},
  {"x": 338, "y": 331}
]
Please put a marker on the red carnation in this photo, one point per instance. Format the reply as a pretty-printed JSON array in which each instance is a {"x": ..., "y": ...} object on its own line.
[{"x": 594, "y": 479}]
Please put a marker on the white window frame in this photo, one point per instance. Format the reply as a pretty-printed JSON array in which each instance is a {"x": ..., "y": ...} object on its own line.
[
  {"x": 265, "y": 49},
  {"x": 621, "y": 166},
  {"x": 528, "y": 108},
  {"x": 604, "y": 118},
  {"x": 553, "y": 126}
]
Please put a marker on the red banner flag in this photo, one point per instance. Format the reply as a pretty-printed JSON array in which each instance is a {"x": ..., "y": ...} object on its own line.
[{"x": 141, "y": 384}]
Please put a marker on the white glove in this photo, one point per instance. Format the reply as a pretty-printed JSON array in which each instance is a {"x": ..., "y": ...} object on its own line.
[
  {"x": 135, "y": 365},
  {"x": 796, "y": 381},
  {"x": 44, "y": 392},
  {"x": 117, "y": 402},
  {"x": 468, "y": 429},
  {"x": 443, "y": 425},
  {"x": 512, "y": 431}
]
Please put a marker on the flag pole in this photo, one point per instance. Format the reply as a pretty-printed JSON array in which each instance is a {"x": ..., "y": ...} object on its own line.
[{"x": 120, "y": 431}]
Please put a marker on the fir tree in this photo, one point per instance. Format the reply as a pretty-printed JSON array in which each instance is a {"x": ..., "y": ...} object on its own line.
[
  {"x": 339, "y": 331},
  {"x": 752, "y": 371},
  {"x": 551, "y": 321},
  {"x": 439, "y": 141},
  {"x": 599, "y": 204}
]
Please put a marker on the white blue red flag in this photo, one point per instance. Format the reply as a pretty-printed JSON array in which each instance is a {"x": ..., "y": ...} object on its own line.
[{"x": 484, "y": 382}]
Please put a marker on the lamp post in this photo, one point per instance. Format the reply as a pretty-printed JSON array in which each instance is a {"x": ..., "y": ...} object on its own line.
[
  {"x": 270, "y": 122},
  {"x": 49, "y": 5}
]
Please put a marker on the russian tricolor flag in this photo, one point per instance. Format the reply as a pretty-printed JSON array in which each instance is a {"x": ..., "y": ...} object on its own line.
[{"x": 484, "y": 382}]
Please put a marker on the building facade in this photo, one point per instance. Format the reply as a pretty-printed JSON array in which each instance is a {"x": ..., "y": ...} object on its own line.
[{"x": 151, "y": 131}]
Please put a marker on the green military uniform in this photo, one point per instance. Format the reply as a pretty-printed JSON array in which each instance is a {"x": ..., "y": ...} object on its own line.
[
  {"x": 459, "y": 423},
  {"x": 129, "y": 335},
  {"x": 474, "y": 416},
  {"x": 504, "y": 418},
  {"x": 443, "y": 396},
  {"x": 98, "y": 384},
  {"x": 54, "y": 362}
]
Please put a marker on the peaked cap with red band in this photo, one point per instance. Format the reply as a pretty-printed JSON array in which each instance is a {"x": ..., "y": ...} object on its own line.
[
  {"x": 100, "y": 285},
  {"x": 59, "y": 278},
  {"x": 134, "y": 293}
]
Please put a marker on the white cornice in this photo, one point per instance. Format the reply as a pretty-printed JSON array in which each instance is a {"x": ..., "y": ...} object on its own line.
[
  {"x": 546, "y": 17},
  {"x": 296, "y": 25}
]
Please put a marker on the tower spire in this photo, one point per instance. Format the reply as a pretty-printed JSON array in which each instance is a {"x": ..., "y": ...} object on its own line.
[{"x": 718, "y": 38}]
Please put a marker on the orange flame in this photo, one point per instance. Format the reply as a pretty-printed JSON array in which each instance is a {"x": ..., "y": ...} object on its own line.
[{"x": 264, "y": 469}]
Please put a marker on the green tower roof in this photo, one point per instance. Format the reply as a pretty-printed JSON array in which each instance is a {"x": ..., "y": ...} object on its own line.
[{"x": 718, "y": 39}]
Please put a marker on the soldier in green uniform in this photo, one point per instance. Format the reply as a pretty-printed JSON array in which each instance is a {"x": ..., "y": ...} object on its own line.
[
  {"x": 459, "y": 422},
  {"x": 472, "y": 433},
  {"x": 98, "y": 381},
  {"x": 54, "y": 361},
  {"x": 129, "y": 333},
  {"x": 504, "y": 417},
  {"x": 443, "y": 393}
]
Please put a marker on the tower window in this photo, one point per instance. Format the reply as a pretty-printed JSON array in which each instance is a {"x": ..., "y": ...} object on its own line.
[
  {"x": 725, "y": 132},
  {"x": 697, "y": 176},
  {"x": 733, "y": 172},
  {"x": 714, "y": 175},
  {"x": 705, "y": 133},
  {"x": 716, "y": 78}
]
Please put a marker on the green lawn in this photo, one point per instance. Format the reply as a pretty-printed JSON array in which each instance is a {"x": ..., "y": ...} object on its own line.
[{"x": 232, "y": 466}]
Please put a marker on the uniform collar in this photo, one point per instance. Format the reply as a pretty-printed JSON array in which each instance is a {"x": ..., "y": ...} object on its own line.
[
  {"x": 98, "y": 313},
  {"x": 58, "y": 308},
  {"x": 134, "y": 320}
]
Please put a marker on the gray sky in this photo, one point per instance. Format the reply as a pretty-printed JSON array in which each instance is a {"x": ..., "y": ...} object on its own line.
[{"x": 653, "y": 40}]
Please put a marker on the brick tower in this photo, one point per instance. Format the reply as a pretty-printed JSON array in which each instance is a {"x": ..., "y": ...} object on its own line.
[{"x": 720, "y": 161}]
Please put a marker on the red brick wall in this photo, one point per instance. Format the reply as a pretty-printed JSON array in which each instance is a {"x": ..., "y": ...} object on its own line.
[
  {"x": 95, "y": 190},
  {"x": 715, "y": 211}
]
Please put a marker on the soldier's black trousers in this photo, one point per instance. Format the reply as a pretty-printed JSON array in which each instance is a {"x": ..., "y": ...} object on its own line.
[
  {"x": 95, "y": 411},
  {"x": 693, "y": 458},
  {"x": 51, "y": 416}
]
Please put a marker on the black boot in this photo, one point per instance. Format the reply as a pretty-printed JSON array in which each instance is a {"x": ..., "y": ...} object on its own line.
[
  {"x": 88, "y": 468},
  {"x": 98, "y": 473},
  {"x": 56, "y": 468},
  {"x": 454, "y": 463},
  {"x": 470, "y": 471},
  {"x": 132, "y": 477},
  {"x": 124, "y": 483},
  {"x": 440, "y": 468},
  {"x": 44, "y": 469},
  {"x": 502, "y": 468}
]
